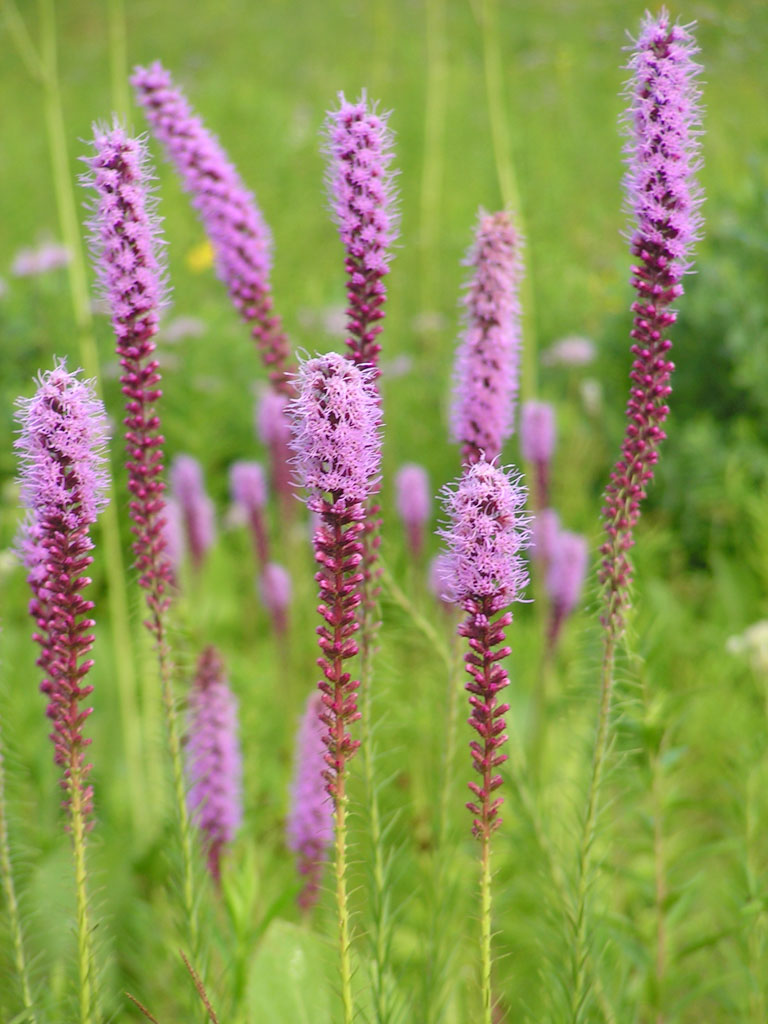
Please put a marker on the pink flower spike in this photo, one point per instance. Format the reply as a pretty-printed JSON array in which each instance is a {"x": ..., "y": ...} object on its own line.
[
  {"x": 275, "y": 589},
  {"x": 229, "y": 213},
  {"x": 197, "y": 511},
  {"x": 537, "y": 444},
  {"x": 414, "y": 503},
  {"x": 126, "y": 244},
  {"x": 274, "y": 430},
  {"x": 63, "y": 476},
  {"x": 487, "y": 361},
  {"x": 309, "y": 826},
  {"x": 213, "y": 760},
  {"x": 249, "y": 491},
  {"x": 565, "y": 578},
  {"x": 486, "y": 534},
  {"x": 359, "y": 147},
  {"x": 663, "y": 197}
]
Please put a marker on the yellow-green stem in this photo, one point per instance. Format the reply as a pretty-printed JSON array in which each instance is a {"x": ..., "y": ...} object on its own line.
[
  {"x": 660, "y": 887},
  {"x": 432, "y": 167},
  {"x": 345, "y": 968},
  {"x": 14, "y": 917},
  {"x": 510, "y": 193},
  {"x": 84, "y": 948},
  {"x": 580, "y": 951},
  {"x": 485, "y": 927},
  {"x": 118, "y": 63},
  {"x": 70, "y": 231}
]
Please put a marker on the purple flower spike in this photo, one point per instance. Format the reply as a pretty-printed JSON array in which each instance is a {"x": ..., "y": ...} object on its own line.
[
  {"x": 338, "y": 455},
  {"x": 196, "y": 507},
  {"x": 275, "y": 588},
  {"x": 565, "y": 578},
  {"x": 309, "y": 826},
  {"x": 227, "y": 209},
  {"x": 537, "y": 444},
  {"x": 662, "y": 153},
  {"x": 486, "y": 534},
  {"x": 213, "y": 762},
  {"x": 63, "y": 485},
  {"x": 274, "y": 430},
  {"x": 487, "y": 361},
  {"x": 359, "y": 145},
  {"x": 544, "y": 531},
  {"x": 126, "y": 245},
  {"x": 249, "y": 490},
  {"x": 414, "y": 503}
]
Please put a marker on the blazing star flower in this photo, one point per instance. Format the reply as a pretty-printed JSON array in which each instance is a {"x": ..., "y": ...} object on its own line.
[
  {"x": 249, "y": 492},
  {"x": 309, "y": 826},
  {"x": 274, "y": 430},
  {"x": 234, "y": 223},
  {"x": 197, "y": 511},
  {"x": 63, "y": 486},
  {"x": 275, "y": 589},
  {"x": 537, "y": 444},
  {"x": 486, "y": 534},
  {"x": 414, "y": 503},
  {"x": 338, "y": 454},
  {"x": 359, "y": 145},
  {"x": 487, "y": 361},
  {"x": 214, "y": 763},
  {"x": 662, "y": 154},
  {"x": 126, "y": 244},
  {"x": 565, "y": 577}
]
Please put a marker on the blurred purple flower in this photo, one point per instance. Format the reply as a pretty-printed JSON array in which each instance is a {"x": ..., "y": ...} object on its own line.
[
  {"x": 275, "y": 589},
  {"x": 274, "y": 430},
  {"x": 309, "y": 826},
  {"x": 213, "y": 761},
  {"x": 565, "y": 578},
  {"x": 249, "y": 491},
  {"x": 47, "y": 256},
  {"x": 188, "y": 489},
  {"x": 414, "y": 503},
  {"x": 570, "y": 351},
  {"x": 537, "y": 444},
  {"x": 487, "y": 360}
]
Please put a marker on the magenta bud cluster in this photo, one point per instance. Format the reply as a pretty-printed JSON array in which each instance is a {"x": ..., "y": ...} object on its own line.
[
  {"x": 487, "y": 361},
  {"x": 63, "y": 475},
  {"x": 213, "y": 760}
]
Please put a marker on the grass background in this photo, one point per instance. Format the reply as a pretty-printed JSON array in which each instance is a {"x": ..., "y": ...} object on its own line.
[{"x": 688, "y": 784}]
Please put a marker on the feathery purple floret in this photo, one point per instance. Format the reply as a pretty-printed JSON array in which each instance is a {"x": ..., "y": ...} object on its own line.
[
  {"x": 64, "y": 482},
  {"x": 336, "y": 431},
  {"x": 338, "y": 455},
  {"x": 359, "y": 145},
  {"x": 232, "y": 219},
  {"x": 213, "y": 760},
  {"x": 486, "y": 534},
  {"x": 662, "y": 153},
  {"x": 309, "y": 826},
  {"x": 126, "y": 243},
  {"x": 197, "y": 512},
  {"x": 414, "y": 502},
  {"x": 487, "y": 360}
]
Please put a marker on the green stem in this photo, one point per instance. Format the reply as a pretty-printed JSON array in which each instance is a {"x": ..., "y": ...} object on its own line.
[
  {"x": 485, "y": 927},
  {"x": 118, "y": 62},
  {"x": 70, "y": 231},
  {"x": 580, "y": 951},
  {"x": 84, "y": 948},
  {"x": 508, "y": 186},
  {"x": 432, "y": 168},
  {"x": 660, "y": 887},
  {"x": 341, "y": 899},
  {"x": 14, "y": 916}
]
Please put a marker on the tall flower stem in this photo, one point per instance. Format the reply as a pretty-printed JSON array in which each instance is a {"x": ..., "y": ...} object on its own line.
[
  {"x": 345, "y": 968},
  {"x": 84, "y": 944},
  {"x": 14, "y": 917},
  {"x": 485, "y": 929}
]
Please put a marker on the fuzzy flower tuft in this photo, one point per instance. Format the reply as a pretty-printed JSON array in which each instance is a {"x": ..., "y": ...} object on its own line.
[
  {"x": 336, "y": 430},
  {"x": 213, "y": 763},
  {"x": 309, "y": 826},
  {"x": 63, "y": 486},
  {"x": 487, "y": 361},
  {"x": 227, "y": 209},
  {"x": 359, "y": 145},
  {"x": 488, "y": 530}
]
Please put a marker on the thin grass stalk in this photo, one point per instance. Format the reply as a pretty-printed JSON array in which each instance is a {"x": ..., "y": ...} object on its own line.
[
  {"x": 14, "y": 917},
  {"x": 508, "y": 185},
  {"x": 117, "y": 585},
  {"x": 580, "y": 952}
]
